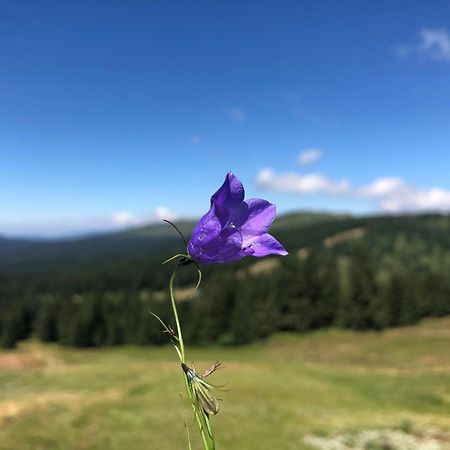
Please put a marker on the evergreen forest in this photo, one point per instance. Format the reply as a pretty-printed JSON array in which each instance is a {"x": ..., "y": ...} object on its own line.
[{"x": 362, "y": 273}]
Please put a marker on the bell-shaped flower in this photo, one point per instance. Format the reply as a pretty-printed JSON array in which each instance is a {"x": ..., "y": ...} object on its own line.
[{"x": 234, "y": 228}]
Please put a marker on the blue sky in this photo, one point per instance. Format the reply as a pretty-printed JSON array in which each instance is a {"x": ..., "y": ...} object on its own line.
[{"x": 116, "y": 113}]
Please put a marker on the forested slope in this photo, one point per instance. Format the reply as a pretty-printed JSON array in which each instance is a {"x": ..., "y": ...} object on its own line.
[{"x": 355, "y": 272}]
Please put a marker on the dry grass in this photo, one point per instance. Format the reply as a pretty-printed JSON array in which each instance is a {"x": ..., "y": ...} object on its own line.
[{"x": 322, "y": 384}]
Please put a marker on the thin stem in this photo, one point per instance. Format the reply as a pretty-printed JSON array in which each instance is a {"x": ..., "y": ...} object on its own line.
[
  {"x": 186, "y": 424},
  {"x": 207, "y": 442},
  {"x": 178, "y": 231},
  {"x": 175, "y": 314},
  {"x": 198, "y": 417},
  {"x": 178, "y": 255}
]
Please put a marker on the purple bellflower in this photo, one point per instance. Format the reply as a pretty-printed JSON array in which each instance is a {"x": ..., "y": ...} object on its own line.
[{"x": 234, "y": 228}]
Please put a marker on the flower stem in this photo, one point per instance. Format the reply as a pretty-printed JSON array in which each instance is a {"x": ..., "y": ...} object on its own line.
[
  {"x": 207, "y": 437},
  {"x": 175, "y": 314}
]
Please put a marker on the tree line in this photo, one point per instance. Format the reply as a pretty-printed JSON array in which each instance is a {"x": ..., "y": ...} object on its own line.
[{"x": 235, "y": 305}]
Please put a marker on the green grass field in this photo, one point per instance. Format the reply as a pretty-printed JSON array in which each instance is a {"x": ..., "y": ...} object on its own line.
[{"x": 333, "y": 381}]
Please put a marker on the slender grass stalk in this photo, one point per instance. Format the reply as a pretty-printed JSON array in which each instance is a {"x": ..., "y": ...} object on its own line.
[
  {"x": 175, "y": 315},
  {"x": 186, "y": 425},
  {"x": 201, "y": 417}
]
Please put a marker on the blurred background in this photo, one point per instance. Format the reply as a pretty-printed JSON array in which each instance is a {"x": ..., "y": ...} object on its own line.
[{"x": 115, "y": 115}]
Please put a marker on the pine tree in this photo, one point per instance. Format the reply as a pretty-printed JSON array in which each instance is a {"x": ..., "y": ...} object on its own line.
[
  {"x": 329, "y": 297},
  {"x": 241, "y": 329},
  {"x": 255, "y": 315},
  {"x": 357, "y": 309},
  {"x": 389, "y": 304},
  {"x": 11, "y": 328},
  {"x": 211, "y": 312},
  {"x": 436, "y": 294},
  {"x": 294, "y": 305},
  {"x": 46, "y": 327}
]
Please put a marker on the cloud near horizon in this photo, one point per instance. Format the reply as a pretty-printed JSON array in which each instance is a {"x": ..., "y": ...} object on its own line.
[
  {"x": 70, "y": 227},
  {"x": 125, "y": 218},
  {"x": 394, "y": 195},
  {"x": 434, "y": 45},
  {"x": 301, "y": 184}
]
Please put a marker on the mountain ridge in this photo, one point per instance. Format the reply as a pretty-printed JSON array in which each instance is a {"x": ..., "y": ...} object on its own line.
[{"x": 295, "y": 230}]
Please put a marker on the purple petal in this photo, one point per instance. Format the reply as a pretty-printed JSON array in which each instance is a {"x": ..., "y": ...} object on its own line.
[
  {"x": 267, "y": 245},
  {"x": 206, "y": 230},
  {"x": 230, "y": 195},
  {"x": 210, "y": 244},
  {"x": 246, "y": 251},
  {"x": 254, "y": 217},
  {"x": 228, "y": 246},
  {"x": 225, "y": 248}
]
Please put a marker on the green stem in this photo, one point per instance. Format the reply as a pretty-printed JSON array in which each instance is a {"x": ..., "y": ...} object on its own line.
[
  {"x": 175, "y": 314},
  {"x": 208, "y": 442}
]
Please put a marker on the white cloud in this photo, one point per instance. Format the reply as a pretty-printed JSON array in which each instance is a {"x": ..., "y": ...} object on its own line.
[
  {"x": 162, "y": 212},
  {"x": 395, "y": 195},
  {"x": 434, "y": 45},
  {"x": 309, "y": 156},
  {"x": 72, "y": 227},
  {"x": 301, "y": 184},
  {"x": 392, "y": 194},
  {"x": 236, "y": 115},
  {"x": 125, "y": 218},
  {"x": 382, "y": 187}
]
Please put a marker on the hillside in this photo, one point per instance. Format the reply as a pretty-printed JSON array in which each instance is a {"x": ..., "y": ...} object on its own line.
[
  {"x": 152, "y": 241},
  {"x": 352, "y": 272},
  {"x": 51, "y": 254},
  {"x": 296, "y": 231}
]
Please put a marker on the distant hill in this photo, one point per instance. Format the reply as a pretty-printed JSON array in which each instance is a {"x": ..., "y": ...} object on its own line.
[
  {"x": 29, "y": 254},
  {"x": 384, "y": 234},
  {"x": 302, "y": 219},
  {"x": 158, "y": 240}
]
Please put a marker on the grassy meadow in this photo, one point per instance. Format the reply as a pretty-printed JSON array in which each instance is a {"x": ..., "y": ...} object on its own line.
[{"x": 328, "y": 382}]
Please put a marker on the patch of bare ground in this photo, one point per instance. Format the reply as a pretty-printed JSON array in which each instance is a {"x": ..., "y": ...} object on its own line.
[
  {"x": 343, "y": 236},
  {"x": 11, "y": 409},
  {"x": 32, "y": 356},
  {"x": 258, "y": 268},
  {"x": 264, "y": 266},
  {"x": 19, "y": 361},
  {"x": 181, "y": 294}
]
